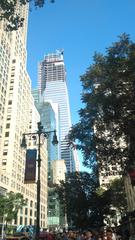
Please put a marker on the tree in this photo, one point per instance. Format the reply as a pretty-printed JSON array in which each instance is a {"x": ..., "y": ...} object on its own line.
[
  {"x": 77, "y": 196},
  {"x": 118, "y": 195},
  {"x": 10, "y": 205},
  {"x": 87, "y": 204},
  {"x": 116, "y": 202},
  {"x": 107, "y": 120},
  {"x": 8, "y": 11}
]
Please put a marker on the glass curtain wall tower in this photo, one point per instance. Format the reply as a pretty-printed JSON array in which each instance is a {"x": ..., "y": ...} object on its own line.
[{"x": 53, "y": 87}]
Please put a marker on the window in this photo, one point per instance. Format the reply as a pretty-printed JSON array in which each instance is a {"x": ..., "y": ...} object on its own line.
[
  {"x": 30, "y": 221},
  {"x": 15, "y": 221},
  {"x": 21, "y": 220},
  {"x": 31, "y": 203},
  {"x": 6, "y": 134},
  {"x": 6, "y": 143},
  {"x": 8, "y": 125},
  {"x": 30, "y": 212},
  {"x": 5, "y": 152},
  {"x": 4, "y": 162},
  {"x": 26, "y": 211},
  {"x": 12, "y": 80},
  {"x": 9, "y": 102},
  {"x": 8, "y": 117},
  {"x": 11, "y": 88}
]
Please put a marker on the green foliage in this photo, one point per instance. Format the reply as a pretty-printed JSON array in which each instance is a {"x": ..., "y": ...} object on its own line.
[
  {"x": 107, "y": 120},
  {"x": 86, "y": 203},
  {"x": 8, "y": 11},
  {"x": 111, "y": 200},
  {"x": 10, "y": 204},
  {"x": 118, "y": 195},
  {"x": 76, "y": 196}
]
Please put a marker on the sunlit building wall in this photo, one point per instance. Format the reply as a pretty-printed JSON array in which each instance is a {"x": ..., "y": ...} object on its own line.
[
  {"x": 58, "y": 171},
  {"x": 76, "y": 160},
  {"x": 16, "y": 117}
]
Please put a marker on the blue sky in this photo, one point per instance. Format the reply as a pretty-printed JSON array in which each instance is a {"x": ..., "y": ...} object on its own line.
[{"x": 80, "y": 27}]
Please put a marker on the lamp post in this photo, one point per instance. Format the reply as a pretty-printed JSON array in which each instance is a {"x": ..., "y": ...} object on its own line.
[{"x": 40, "y": 132}]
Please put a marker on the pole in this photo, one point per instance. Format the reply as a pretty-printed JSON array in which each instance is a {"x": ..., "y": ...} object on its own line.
[
  {"x": 38, "y": 189},
  {"x": 24, "y": 145}
]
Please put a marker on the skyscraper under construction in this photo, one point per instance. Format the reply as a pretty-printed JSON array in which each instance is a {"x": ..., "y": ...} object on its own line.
[{"x": 53, "y": 87}]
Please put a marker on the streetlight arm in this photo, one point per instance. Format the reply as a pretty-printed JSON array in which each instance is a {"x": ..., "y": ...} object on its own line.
[{"x": 39, "y": 133}]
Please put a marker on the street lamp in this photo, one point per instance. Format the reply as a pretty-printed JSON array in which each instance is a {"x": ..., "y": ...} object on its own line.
[{"x": 40, "y": 132}]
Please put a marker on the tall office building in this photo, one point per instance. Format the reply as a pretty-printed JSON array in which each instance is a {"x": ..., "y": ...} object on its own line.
[
  {"x": 53, "y": 87},
  {"x": 17, "y": 116},
  {"x": 49, "y": 122},
  {"x": 49, "y": 116}
]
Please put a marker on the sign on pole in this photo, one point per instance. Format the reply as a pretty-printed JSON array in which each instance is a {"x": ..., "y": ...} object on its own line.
[{"x": 30, "y": 166}]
